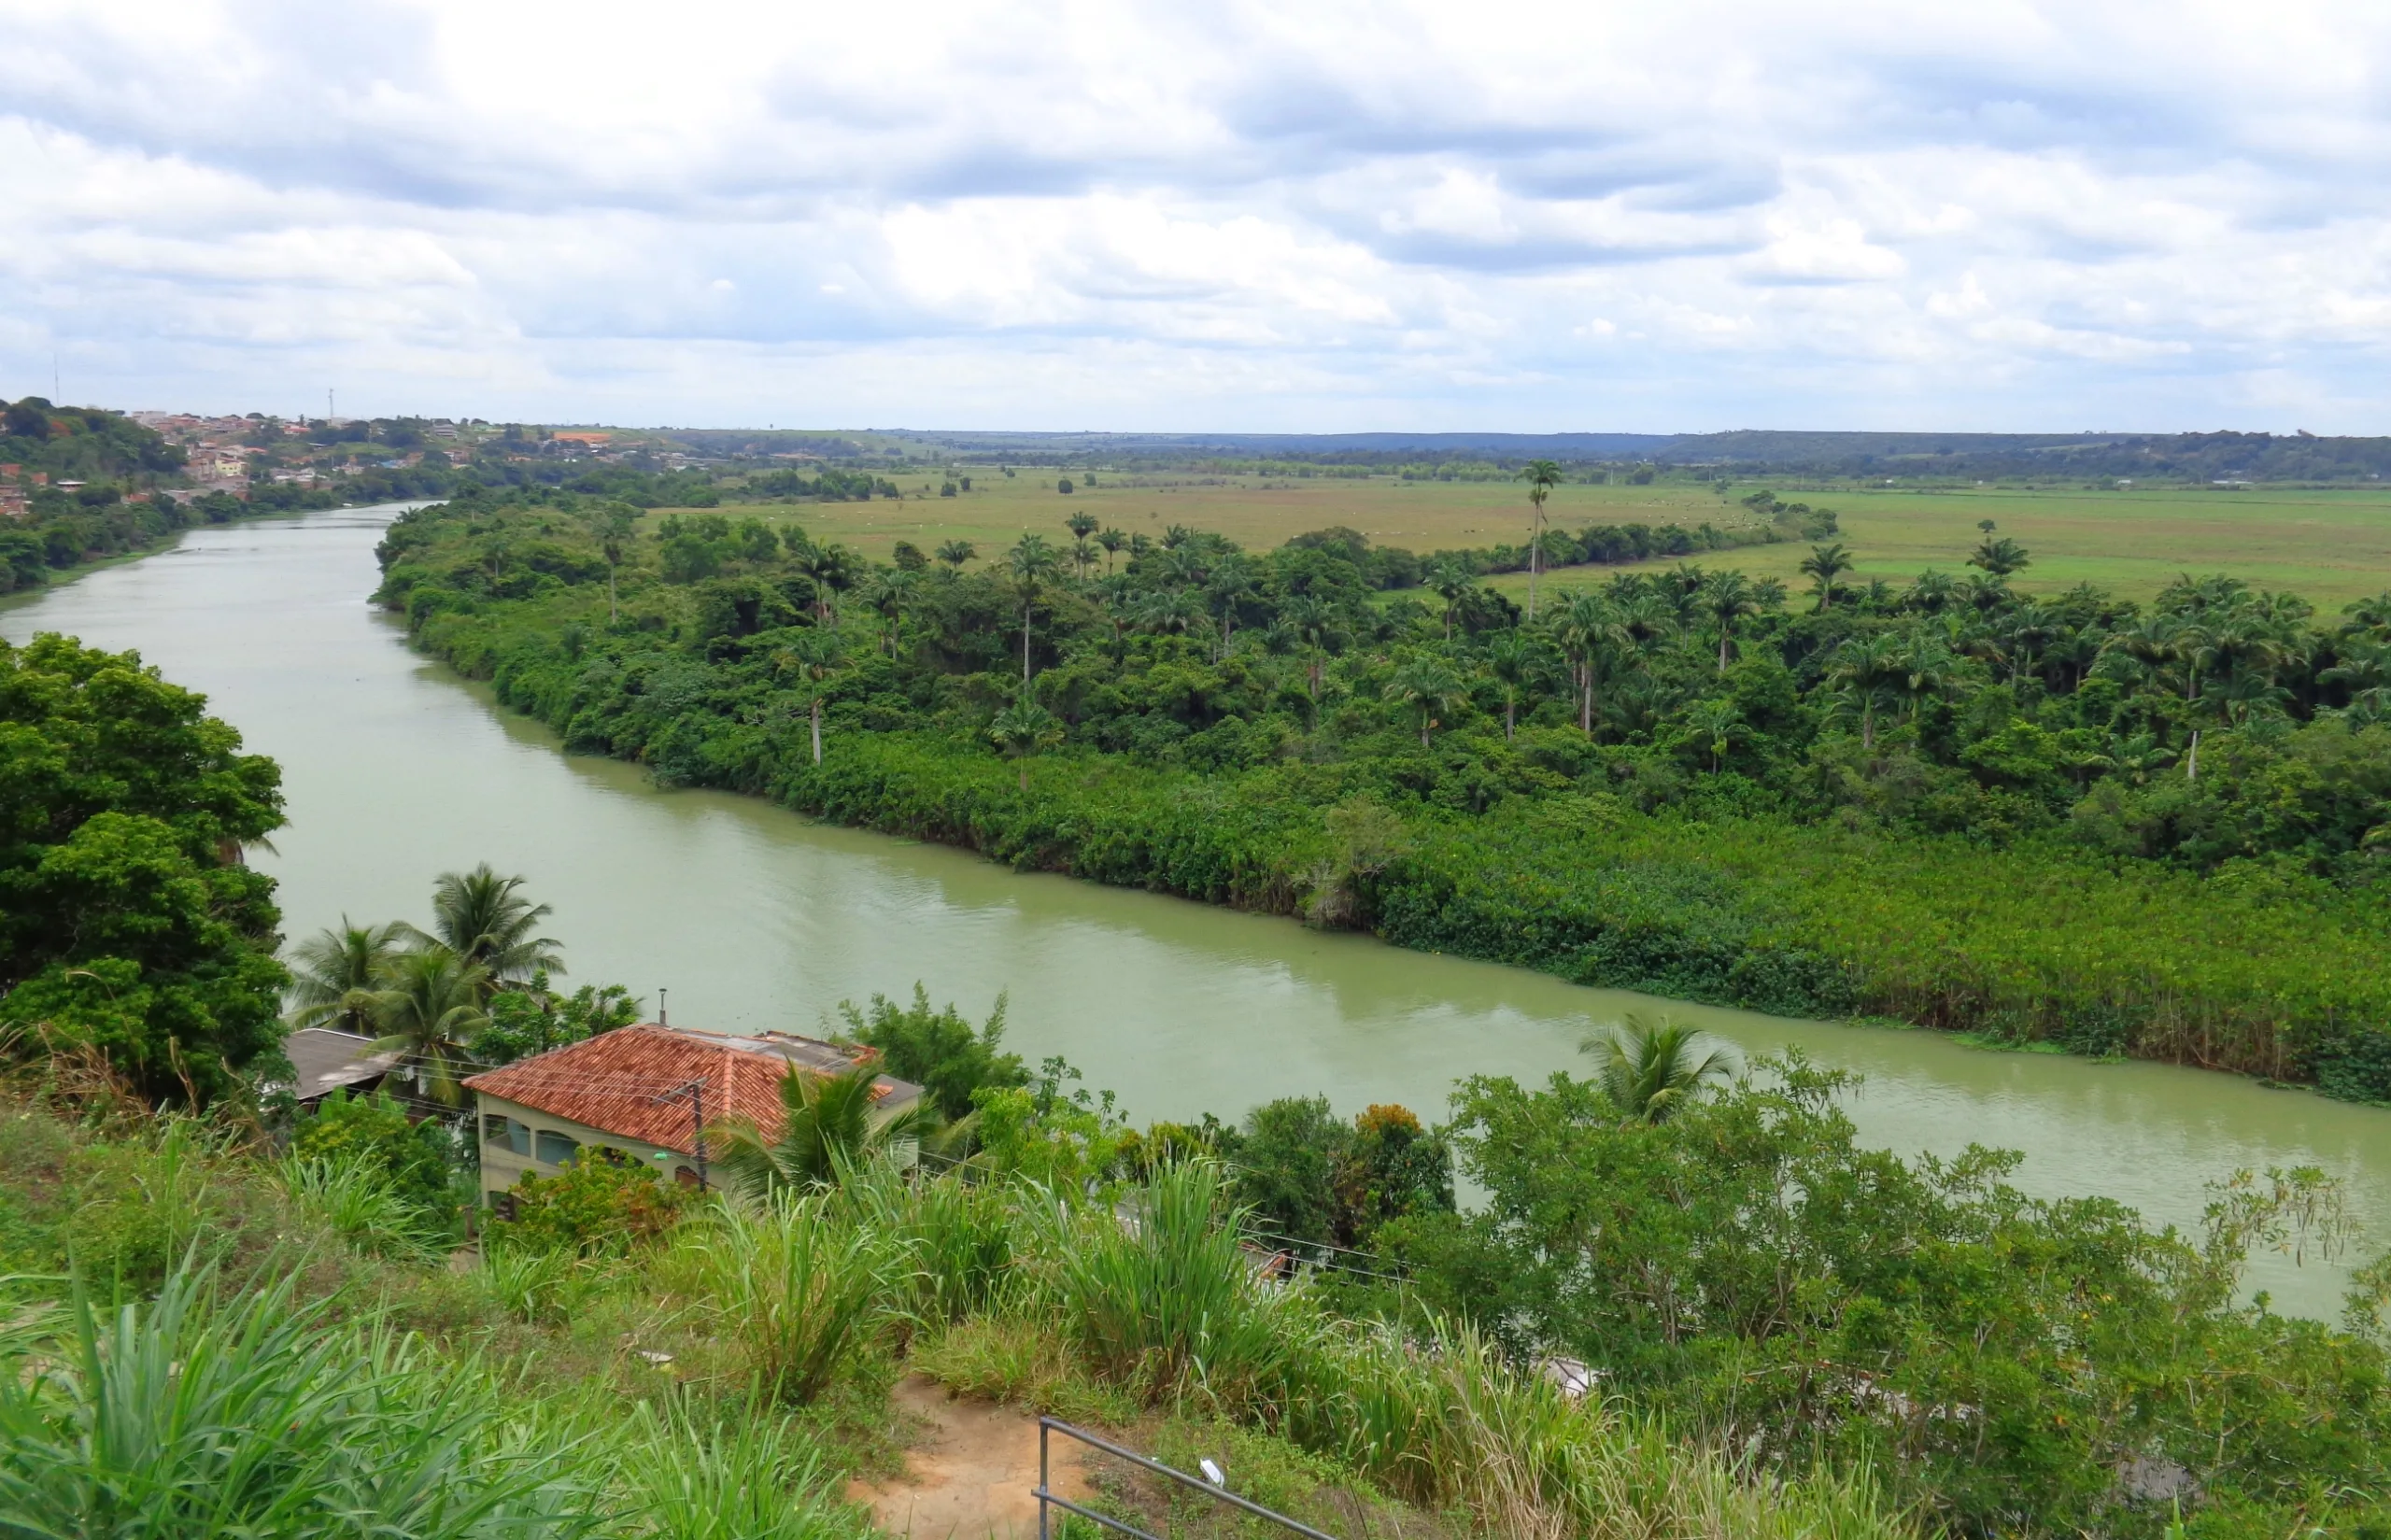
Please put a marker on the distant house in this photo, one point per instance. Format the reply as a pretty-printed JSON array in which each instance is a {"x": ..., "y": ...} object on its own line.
[
  {"x": 645, "y": 1092},
  {"x": 330, "y": 1061}
]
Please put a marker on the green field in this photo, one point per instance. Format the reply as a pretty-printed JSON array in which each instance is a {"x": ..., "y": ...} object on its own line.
[{"x": 2330, "y": 544}]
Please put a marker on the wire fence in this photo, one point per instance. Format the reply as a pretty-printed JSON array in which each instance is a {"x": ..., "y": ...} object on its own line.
[{"x": 1209, "y": 1485}]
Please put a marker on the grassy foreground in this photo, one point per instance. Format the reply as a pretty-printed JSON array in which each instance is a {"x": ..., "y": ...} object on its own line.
[{"x": 719, "y": 1380}]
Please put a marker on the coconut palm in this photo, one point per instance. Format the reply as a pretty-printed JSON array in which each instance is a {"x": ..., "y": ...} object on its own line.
[
  {"x": 333, "y": 975},
  {"x": 815, "y": 655},
  {"x": 1430, "y": 689},
  {"x": 954, "y": 553},
  {"x": 429, "y": 1002},
  {"x": 1023, "y": 730},
  {"x": 486, "y": 920},
  {"x": 1823, "y": 566},
  {"x": 1112, "y": 540},
  {"x": 1652, "y": 1070},
  {"x": 829, "y": 1124}
]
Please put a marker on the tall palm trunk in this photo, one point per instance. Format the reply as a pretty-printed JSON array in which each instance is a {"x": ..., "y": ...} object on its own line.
[
  {"x": 817, "y": 729},
  {"x": 1724, "y": 632}
]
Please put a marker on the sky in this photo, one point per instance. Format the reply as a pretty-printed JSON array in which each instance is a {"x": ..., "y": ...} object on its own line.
[{"x": 1292, "y": 215}]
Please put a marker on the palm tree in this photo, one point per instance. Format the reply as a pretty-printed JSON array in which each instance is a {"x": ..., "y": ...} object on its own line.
[
  {"x": 612, "y": 524},
  {"x": 1316, "y": 629},
  {"x": 2000, "y": 558},
  {"x": 1430, "y": 689},
  {"x": 1652, "y": 1070},
  {"x": 887, "y": 593},
  {"x": 429, "y": 1002},
  {"x": 1022, "y": 731},
  {"x": 1112, "y": 540},
  {"x": 1867, "y": 669},
  {"x": 830, "y": 1123},
  {"x": 1542, "y": 476},
  {"x": 817, "y": 653},
  {"x": 1082, "y": 525},
  {"x": 1823, "y": 566},
  {"x": 333, "y": 975},
  {"x": 1510, "y": 659},
  {"x": 1450, "y": 579},
  {"x": 1585, "y": 630},
  {"x": 1031, "y": 561},
  {"x": 954, "y": 553},
  {"x": 1726, "y": 598},
  {"x": 1169, "y": 610},
  {"x": 482, "y": 918},
  {"x": 1715, "y": 723}
]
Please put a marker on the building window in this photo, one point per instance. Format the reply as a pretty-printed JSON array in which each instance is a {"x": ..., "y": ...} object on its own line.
[
  {"x": 554, "y": 1149},
  {"x": 515, "y": 1137}
]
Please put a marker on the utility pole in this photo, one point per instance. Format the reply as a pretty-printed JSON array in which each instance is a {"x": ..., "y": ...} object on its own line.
[
  {"x": 664, "y": 1017},
  {"x": 696, "y": 1090}
]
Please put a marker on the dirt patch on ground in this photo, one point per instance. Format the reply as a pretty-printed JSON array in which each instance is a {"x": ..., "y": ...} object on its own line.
[{"x": 971, "y": 1475}]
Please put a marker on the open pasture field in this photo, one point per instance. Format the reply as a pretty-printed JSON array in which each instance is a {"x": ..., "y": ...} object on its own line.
[
  {"x": 1255, "y": 512},
  {"x": 2329, "y": 546},
  {"x": 2332, "y": 546}
]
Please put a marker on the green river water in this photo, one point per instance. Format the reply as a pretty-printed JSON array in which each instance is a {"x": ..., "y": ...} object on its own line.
[{"x": 753, "y": 917}]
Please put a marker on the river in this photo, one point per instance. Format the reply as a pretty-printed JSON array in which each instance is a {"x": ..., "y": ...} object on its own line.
[{"x": 753, "y": 917}]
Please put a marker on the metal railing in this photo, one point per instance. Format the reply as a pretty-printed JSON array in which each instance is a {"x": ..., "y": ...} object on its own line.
[{"x": 1049, "y": 1499}]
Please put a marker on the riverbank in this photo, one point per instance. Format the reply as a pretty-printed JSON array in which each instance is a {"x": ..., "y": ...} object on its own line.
[{"x": 2284, "y": 979}]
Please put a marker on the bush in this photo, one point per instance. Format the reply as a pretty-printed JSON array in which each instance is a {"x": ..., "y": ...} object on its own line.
[
  {"x": 595, "y": 1207},
  {"x": 937, "y": 1050},
  {"x": 417, "y": 1159}
]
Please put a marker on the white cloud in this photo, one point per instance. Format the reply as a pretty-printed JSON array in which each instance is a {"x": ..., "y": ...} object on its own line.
[{"x": 1224, "y": 213}]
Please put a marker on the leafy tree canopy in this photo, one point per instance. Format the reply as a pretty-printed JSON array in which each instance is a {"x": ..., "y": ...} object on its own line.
[{"x": 128, "y": 922}]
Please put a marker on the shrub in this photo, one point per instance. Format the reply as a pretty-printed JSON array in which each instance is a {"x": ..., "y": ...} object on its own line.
[
  {"x": 595, "y": 1207},
  {"x": 373, "y": 1132}
]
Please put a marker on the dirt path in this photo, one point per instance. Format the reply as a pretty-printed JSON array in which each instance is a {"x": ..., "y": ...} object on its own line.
[{"x": 971, "y": 1478}]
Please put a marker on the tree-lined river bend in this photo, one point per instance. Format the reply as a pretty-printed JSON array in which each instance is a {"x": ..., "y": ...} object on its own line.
[{"x": 754, "y": 917}]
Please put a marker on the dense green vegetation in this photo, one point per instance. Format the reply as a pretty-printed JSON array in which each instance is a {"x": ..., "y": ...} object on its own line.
[
  {"x": 2155, "y": 830},
  {"x": 714, "y": 1369},
  {"x": 1783, "y": 1334},
  {"x": 129, "y": 924}
]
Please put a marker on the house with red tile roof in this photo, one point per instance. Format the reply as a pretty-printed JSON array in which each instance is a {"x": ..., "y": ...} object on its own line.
[{"x": 647, "y": 1092}]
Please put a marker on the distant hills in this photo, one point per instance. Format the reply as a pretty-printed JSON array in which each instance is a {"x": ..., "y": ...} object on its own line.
[{"x": 2102, "y": 457}]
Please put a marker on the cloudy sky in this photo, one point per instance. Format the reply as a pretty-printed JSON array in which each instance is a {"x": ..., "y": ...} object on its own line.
[{"x": 1292, "y": 214}]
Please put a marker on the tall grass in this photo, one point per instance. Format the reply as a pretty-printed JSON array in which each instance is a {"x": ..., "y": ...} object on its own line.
[
  {"x": 747, "y": 1477},
  {"x": 358, "y": 1202},
  {"x": 1163, "y": 1294},
  {"x": 1449, "y": 1423},
  {"x": 955, "y": 1238},
  {"x": 796, "y": 1286},
  {"x": 194, "y": 1419}
]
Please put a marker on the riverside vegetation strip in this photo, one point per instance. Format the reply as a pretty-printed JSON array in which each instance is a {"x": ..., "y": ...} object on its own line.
[{"x": 2154, "y": 830}]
